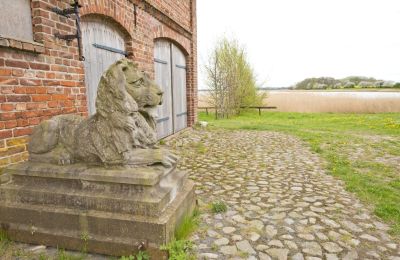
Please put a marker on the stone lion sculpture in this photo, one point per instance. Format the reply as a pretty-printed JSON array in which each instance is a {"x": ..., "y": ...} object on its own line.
[{"x": 122, "y": 132}]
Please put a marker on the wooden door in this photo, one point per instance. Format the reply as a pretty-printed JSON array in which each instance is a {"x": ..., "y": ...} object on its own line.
[
  {"x": 103, "y": 44},
  {"x": 179, "y": 88},
  {"x": 162, "y": 67},
  {"x": 170, "y": 75}
]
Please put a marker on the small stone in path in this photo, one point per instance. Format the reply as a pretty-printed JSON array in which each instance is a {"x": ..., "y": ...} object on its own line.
[
  {"x": 212, "y": 233},
  {"x": 369, "y": 238},
  {"x": 331, "y": 247},
  {"x": 228, "y": 230},
  {"x": 298, "y": 256},
  {"x": 237, "y": 237},
  {"x": 280, "y": 254},
  {"x": 254, "y": 236},
  {"x": 331, "y": 257},
  {"x": 245, "y": 246},
  {"x": 270, "y": 231},
  {"x": 312, "y": 248},
  {"x": 221, "y": 242},
  {"x": 257, "y": 224},
  {"x": 275, "y": 243},
  {"x": 208, "y": 256},
  {"x": 228, "y": 250},
  {"x": 263, "y": 256}
]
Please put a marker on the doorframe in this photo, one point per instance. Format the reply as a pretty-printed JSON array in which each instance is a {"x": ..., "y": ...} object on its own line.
[{"x": 172, "y": 86}]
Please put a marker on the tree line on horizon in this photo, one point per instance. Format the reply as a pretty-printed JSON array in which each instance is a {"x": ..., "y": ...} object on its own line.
[{"x": 351, "y": 82}]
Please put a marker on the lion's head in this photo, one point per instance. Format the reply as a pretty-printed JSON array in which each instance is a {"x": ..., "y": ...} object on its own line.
[{"x": 127, "y": 98}]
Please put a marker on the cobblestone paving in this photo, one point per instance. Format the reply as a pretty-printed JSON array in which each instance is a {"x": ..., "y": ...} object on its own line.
[{"x": 281, "y": 202}]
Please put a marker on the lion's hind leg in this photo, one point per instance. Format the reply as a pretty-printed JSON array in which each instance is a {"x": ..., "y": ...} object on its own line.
[{"x": 50, "y": 140}]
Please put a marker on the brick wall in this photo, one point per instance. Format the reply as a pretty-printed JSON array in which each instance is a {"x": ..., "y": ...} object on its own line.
[{"x": 45, "y": 78}]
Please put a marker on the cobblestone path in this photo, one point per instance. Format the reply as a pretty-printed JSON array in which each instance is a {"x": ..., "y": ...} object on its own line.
[{"x": 281, "y": 202}]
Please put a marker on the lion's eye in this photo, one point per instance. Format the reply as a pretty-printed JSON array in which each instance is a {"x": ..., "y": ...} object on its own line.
[{"x": 138, "y": 82}]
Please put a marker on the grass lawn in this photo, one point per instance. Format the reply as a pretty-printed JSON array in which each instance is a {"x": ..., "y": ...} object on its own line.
[{"x": 362, "y": 150}]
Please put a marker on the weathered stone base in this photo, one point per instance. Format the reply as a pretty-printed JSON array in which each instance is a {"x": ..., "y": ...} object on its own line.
[{"x": 102, "y": 211}]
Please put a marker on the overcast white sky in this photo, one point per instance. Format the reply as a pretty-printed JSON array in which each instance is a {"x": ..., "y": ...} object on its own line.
[{"x": 290, "y": 40}]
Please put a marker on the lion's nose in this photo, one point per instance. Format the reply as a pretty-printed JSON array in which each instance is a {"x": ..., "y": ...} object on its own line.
[{"x": 160, "y": 93}]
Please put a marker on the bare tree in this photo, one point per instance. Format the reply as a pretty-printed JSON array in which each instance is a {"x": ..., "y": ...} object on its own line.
[{"x": 231, "y": 79}]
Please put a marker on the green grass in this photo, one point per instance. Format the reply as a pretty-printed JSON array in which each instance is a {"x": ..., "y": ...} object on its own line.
[
  {"x": 180, "y": 250},
  {"x": 188, "y": 225},
  {"x": 334, "y": 137},
  {"x": 4, "y": 242},
  {"x": 218, "y": 207}
]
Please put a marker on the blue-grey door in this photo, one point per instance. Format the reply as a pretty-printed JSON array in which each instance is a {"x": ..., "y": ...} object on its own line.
[{"x": 170, "y": 75}]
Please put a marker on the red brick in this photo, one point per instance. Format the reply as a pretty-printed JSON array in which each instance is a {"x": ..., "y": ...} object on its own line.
[
  {"x": 7, "y": 107},
  {"x": 5, "y": 134},
  {"x": 30, "y": 82},
  {"x": 41, "y": 90},
  {"x": 34, "y": 121},
  {"x": 7, "y": 116},
  {"x": 68, "y": 83},
  {"x": 52, "y": 104},
  {"x": 5, "y": 72},
  {"x": 59, "y": 97},
  {"x": 22, "y": 131},
  {"x": 18, "y": 98},
  {"x": 29, "y": 114},
  {"x": 17, "y": 64},
  {"x": 39, "y": 98},
  {"x": 22, "y": 122},
  {"x": 8, "y": 81},
  {"x": 10, "y": 124},
  {"x": 38, "y": 66},
  {"x": 20, "y": 90}
]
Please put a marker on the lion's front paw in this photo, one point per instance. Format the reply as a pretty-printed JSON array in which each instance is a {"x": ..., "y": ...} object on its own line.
[
  {"x": 169, "y": 159},
  {"x": 65, "y": 159}
]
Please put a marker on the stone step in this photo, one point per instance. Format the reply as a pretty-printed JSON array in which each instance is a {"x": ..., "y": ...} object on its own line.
[
  {"x": 150, "y": 202},
  {"x": 89, "y": 177},
  {"x": 102, "y": 232}
]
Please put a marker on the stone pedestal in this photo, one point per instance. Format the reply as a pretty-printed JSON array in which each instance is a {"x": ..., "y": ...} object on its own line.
[{"x": 107, "y": 211}]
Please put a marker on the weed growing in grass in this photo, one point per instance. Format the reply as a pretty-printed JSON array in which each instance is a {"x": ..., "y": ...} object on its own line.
[
  {"x": 85, "y": 240},
  {"x": 141, "y": 255},
  {"x": 62, "y": 255},
  {"x": 131, "y": 257},
  {"x": 42, "y": 256},
  {"x": 218, "y": 207},
  {"x": 200, "y": 147},
  {"x": 188, "y": 225},
  {"x": 180, "y": 250},
  {"x": 4, "y": 242}
]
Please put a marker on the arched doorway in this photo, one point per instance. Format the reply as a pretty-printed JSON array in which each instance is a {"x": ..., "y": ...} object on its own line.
[
  {"x": 170, "y": 75},
  {"x": 103, "y": 44}
]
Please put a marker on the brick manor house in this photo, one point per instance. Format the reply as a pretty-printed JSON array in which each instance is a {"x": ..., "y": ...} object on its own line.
[{"x": 43, "y": 74}]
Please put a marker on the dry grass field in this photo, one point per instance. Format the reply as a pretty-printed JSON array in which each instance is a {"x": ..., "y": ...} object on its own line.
[{"x": 328, "y": 101}]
